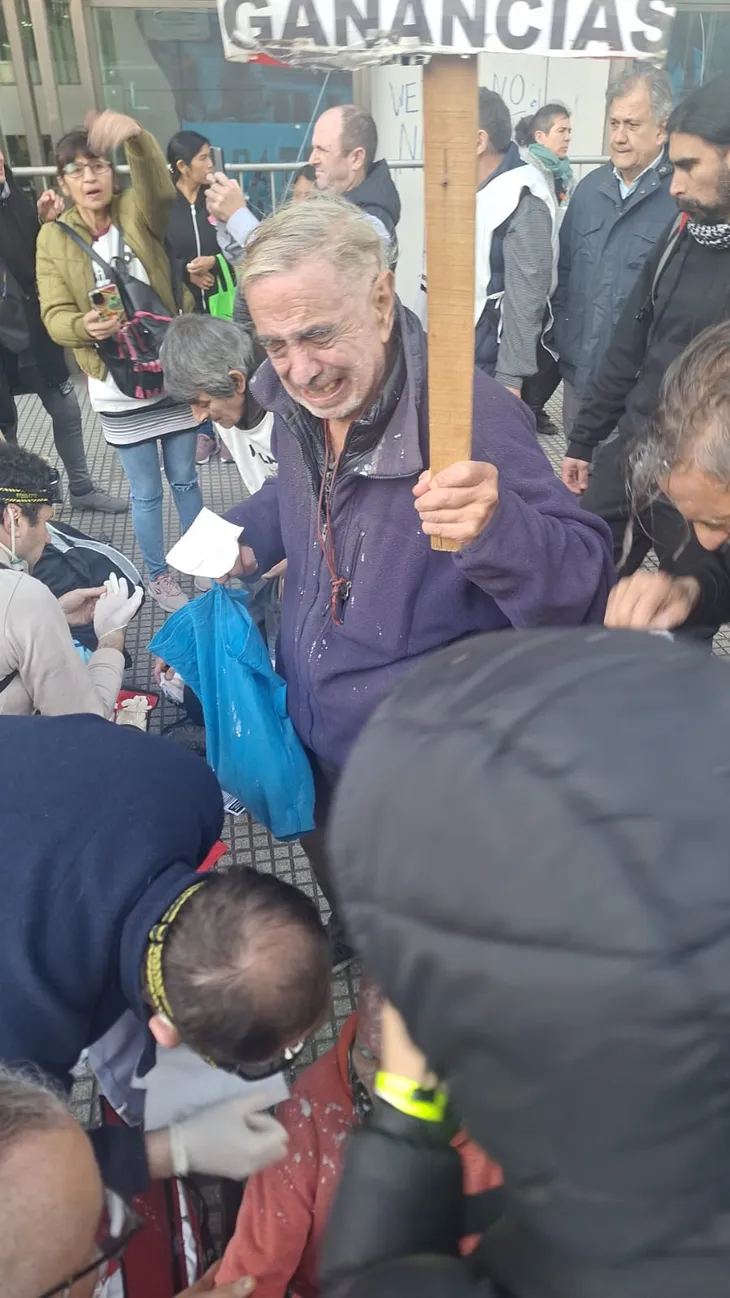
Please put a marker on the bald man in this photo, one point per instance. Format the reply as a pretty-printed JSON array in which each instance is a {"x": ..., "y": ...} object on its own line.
[
  {"x": 344, "y": 145},
  {"x": 57, "y": 1223}
]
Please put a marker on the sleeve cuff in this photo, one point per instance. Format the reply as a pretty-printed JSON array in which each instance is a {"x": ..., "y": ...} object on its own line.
[
  {"x": 577, "y": 451},
  {"x": 242, "y": 225},
  {"x": 122, "y": 1158}
]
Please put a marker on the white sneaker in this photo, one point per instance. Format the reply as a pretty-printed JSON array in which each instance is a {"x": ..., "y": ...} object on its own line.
[
  {"x": 203, "y": 583},
  {"x": 165, "y": 591}
]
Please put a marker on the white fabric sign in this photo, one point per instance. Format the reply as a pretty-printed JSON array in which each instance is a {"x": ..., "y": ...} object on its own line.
[{"x": 357, "y": 32}]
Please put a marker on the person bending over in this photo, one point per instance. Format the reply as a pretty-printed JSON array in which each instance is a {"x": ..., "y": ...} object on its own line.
[
  {"x": 40, "y": 670},
  {"x": 684, "y": 459},
  {"x": 101, "y": 879}
]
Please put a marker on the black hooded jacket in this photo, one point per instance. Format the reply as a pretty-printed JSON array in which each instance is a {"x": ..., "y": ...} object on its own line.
[
  {"x": 378, "y": 196},
  {"x": 42, "y": 364},
  {"x": 531, "y": 845}
]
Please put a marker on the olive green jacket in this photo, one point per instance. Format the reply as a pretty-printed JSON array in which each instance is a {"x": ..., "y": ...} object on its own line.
[{"x": 64, "y": 272}]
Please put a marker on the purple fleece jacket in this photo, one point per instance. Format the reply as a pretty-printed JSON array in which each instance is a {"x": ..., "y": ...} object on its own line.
[{"x": 541, "y": 560}]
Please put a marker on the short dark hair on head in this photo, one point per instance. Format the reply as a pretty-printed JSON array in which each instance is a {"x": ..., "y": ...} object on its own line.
[
  {"x": 359, "y": 132},
  {"x": 706, "y": 112},
  {"x": 246, "y": 967},
  {"x": 494, "y": 118},
  {"x": 24, "y": 472},
  {"x": 183, "y": 147},
  {"x": 74, "y": 144},
  {"x": 527, "y": 128}
]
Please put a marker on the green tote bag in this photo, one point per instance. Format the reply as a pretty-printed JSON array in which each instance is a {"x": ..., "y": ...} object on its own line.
[{"x": 221, "y": 298}]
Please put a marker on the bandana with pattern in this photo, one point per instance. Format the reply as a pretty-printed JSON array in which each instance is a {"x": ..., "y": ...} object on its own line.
[{"x": 710, "y": 236}]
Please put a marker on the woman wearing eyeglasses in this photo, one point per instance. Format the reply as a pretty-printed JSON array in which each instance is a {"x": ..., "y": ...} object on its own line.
[
  {"x": 128, "y": 224},
  {"x": 29, "y": 360}
]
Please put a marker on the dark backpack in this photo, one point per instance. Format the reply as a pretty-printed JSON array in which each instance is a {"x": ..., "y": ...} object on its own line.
[{"x": 133, "y": 355}]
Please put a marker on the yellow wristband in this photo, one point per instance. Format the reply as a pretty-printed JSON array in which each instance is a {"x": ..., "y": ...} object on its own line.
[{"x": 406, "y": 1095}]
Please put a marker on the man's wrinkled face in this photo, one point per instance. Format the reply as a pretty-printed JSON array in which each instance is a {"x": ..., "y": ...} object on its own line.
[
  {"x": 326, "y": 335},
  {"x": 634, "y": 137},
  {"x": 701, "y": 180},
  {"x": 226, "y": 411},
  {"x": 703, "y": 501},
  {"x": 336, "y": 171}
]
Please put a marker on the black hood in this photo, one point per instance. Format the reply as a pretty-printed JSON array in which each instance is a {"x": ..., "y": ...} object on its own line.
[
  {"x": 378, "y": 196},
  {"x": 531, "y": 843}
]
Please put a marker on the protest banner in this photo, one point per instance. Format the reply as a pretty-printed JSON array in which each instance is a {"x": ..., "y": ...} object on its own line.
[{"x": 352, "y": 33}]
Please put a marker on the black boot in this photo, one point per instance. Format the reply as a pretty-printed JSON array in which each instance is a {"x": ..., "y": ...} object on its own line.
[{"x": 545, "y": 425}]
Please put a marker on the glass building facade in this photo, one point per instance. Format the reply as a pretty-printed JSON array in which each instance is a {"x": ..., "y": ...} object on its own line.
[{"x": 162, "y": 65}]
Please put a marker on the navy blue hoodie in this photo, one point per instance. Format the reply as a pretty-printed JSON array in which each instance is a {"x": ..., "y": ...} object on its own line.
[{"x": 101, "y": 827}]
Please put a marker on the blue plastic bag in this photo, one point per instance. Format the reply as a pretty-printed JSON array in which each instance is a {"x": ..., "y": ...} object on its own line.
[{"x": 251, "y": 743}]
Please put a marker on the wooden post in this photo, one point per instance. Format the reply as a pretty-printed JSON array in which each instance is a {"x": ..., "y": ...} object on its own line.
[{"x": 450, "y": 124}]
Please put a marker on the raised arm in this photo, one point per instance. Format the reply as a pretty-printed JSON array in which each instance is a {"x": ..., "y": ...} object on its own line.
[{"x": 152, "y": 189}]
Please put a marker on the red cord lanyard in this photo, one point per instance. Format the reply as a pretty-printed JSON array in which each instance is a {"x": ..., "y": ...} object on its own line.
[{"x": 339, "y": 586}]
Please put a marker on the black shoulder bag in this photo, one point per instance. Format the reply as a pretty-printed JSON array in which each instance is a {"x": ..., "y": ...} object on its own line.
[
  {"x": 14, "y": 324},
  {"x": 132, "y": 356}
]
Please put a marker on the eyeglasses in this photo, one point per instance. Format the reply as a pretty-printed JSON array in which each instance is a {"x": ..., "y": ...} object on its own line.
[
  {"x": 76, "y": 170},
  {"x": 118, "y": 1224},
  {"x": 258, "y": 1072}
]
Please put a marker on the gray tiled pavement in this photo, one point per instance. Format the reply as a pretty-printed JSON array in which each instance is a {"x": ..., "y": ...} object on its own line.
[{"x": 248, "y": 842}]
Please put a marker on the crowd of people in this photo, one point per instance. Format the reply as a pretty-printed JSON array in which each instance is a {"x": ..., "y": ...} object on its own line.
[{"x": 520, "y": 812}]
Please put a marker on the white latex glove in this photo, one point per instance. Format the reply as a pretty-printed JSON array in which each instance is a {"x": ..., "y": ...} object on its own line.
[
  {"x": 116, "y": 607},
  {"x": 234, "y": 1139}
]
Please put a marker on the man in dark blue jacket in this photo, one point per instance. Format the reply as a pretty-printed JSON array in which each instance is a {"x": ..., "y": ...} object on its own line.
[
  {"x": 615, "y": 216},
  {"x": 102, "y": 832}
]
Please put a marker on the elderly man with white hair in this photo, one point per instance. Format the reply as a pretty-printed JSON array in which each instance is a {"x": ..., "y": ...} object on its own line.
[{"x": 354, "y": 504}]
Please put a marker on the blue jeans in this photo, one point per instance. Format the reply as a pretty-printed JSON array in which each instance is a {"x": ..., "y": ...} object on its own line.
[{"x": 141, "y": 464}]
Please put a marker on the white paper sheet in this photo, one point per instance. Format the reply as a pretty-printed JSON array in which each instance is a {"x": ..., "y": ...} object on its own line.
[{"x": 209, "y": 548}]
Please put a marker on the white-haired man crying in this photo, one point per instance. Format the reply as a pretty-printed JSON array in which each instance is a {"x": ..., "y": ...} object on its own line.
[{"x": 354, "y": 504}]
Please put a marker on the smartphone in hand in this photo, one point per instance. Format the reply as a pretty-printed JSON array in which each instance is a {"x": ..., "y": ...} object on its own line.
[
  {"x": 217, "y": 158},
  {"x": 106, "y": 300}
]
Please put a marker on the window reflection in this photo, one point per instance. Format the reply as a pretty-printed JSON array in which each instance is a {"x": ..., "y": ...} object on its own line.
[{"x": 166, "y": 68}]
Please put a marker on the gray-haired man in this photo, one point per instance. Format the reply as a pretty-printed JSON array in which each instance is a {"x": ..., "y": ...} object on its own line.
[
  {"x": 58, "y": 1226},
  {"x": 615, "y": 216}
]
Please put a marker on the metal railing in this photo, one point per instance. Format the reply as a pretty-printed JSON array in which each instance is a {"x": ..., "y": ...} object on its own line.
[{"x": 274, "y": 169}]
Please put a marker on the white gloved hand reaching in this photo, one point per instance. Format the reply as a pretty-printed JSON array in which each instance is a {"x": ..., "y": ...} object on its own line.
[
  {"x": 116, "y": 607},
  {"x": 233, "y": 1139}
]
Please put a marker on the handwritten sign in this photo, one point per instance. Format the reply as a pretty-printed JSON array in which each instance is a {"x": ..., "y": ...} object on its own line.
[{"x": 357, "y": 32}]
